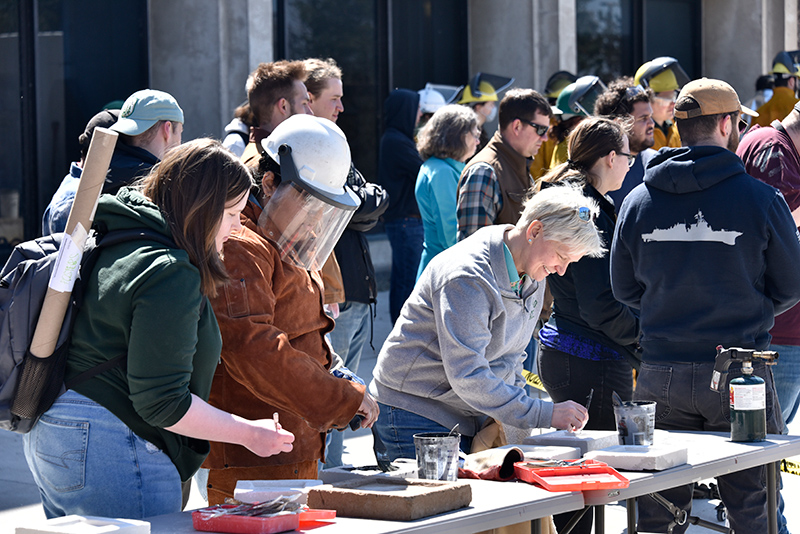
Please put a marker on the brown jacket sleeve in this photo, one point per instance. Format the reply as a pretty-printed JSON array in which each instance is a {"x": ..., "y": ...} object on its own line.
[
  {"x": 272, "y": 323},
  {"x": 332, "y": 280}
]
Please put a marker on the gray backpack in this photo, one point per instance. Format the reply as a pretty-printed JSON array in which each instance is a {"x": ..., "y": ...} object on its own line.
[{"x": 29, "y": 385}]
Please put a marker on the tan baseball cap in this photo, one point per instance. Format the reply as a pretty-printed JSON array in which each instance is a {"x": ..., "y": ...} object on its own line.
[{"x": 708, "y": 97}]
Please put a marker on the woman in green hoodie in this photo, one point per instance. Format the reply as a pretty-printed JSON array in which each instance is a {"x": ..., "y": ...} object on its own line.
[{"x": 121, "y": 443}]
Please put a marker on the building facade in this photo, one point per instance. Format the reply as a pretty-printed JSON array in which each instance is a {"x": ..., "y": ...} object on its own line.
[{"x": 63, "y": 60}]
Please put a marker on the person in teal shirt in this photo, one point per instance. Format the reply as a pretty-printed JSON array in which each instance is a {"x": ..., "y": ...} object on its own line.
[{"x": 445, "y": 143}]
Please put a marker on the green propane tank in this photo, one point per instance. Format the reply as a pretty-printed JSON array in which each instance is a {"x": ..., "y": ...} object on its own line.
[{"x": 748, "y": 406}]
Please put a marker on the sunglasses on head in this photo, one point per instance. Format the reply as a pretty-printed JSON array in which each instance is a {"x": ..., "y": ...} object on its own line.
[
  {"x": 541, "y": 129},
  {"x": 584, "y": 214}
]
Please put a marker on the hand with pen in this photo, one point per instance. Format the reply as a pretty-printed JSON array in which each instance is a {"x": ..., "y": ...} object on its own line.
[{"x": 571, "y": 416}]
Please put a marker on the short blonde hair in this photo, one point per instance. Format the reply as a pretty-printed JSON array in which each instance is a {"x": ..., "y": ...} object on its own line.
[{"x": 559, "y": 208}]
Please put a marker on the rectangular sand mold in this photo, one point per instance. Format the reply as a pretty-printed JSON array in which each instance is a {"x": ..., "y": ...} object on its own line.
[
  {"x": 80, "y": 524},
  {"x": 585, "y": 440},
  {"x": 387, "y": 498},
  {"x": 640, "y": 457}
]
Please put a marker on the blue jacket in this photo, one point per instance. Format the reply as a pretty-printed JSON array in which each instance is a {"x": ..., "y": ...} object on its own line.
[
  {"x": 54, "y": 219},
  {"x": 436, "y": 192},
  {"x": 398, "y": 159},
  {"x": 708, "y": 254}
]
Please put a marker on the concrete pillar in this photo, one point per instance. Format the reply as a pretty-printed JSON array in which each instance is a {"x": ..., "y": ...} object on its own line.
[
  {"x": 260, "y": 33},
  {"x": 741, "y": 38},
  {"x": 199, "y": 53},
  {"x": 528, "y": 39}
]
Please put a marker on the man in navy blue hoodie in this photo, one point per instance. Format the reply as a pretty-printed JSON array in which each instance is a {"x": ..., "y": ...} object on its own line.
[
  {"x": 398, "y": 166},
  {"x": 708, "y": 254}
]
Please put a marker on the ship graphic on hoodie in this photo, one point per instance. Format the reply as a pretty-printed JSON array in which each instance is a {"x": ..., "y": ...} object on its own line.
[
  {"x": 706, "y": 253},
  {"x": 699, "y": 231}
]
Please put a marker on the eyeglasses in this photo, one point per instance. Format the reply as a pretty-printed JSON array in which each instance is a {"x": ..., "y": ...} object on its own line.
[
  {"x": 631, "y": 158},
  {"x": 584, "y": 214},
  {"x": 541, "y": 129},
  {"x": 743, "y": 126},
  {"x": 476, "y": 134}
]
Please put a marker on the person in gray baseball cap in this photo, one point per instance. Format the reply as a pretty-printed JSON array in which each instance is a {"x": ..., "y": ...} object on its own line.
[{"x": 149, "y": 124}]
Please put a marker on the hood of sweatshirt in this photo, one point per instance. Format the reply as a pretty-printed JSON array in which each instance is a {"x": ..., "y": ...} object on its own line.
[
  {"x": 129, "y": 208},
  {"x": 400, "y": 111},
  {"x": 690, "y": 169}
]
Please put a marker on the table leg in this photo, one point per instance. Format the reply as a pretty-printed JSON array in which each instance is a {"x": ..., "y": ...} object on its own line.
[
  {"x": 536, "y": 526},
  {"x": 630, "y": 504},
  {"x": 772, "y": 498},
  {"x": 600, "y": 519}
]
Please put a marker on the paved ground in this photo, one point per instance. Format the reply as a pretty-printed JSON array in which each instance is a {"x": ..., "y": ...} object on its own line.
[{"x": 19, "y": 497}]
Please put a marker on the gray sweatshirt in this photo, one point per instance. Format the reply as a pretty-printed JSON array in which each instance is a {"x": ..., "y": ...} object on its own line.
[{"x": 455, "y": 354}]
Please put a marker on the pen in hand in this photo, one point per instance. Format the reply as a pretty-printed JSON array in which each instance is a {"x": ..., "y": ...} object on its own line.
[
  {"x": 588, "y": 399},
  {"x": 275, "y": 418}
]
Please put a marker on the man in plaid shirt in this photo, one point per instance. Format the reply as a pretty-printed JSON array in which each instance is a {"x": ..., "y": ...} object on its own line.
[{"x": 496, "y": 181}]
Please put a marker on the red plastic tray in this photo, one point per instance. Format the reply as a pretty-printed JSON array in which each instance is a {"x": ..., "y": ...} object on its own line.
[
  {"x": 241, "y": 524},
  {"x": 310, "y": 515},
  {"x": 589, "y": 475}
]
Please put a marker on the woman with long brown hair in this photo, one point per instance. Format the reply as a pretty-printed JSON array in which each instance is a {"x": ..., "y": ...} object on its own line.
[
  {"x": 587, "y": 344},
  {"x": 121, "y": 442}
]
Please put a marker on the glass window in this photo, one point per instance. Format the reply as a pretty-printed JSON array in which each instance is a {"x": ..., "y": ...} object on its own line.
[
  {"x": 615, "y": 37},
  {"x": 344, "y": 30},
  {"x": 604, "y": 36},
  {"x": 73, "y": 78},
  {"x": 426, "y": 44}
]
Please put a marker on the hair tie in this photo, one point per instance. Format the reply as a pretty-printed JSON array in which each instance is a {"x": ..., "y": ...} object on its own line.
[{"x": 573, "y": 164}]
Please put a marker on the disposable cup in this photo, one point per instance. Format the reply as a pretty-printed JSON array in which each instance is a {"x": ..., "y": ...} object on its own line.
[
  {"x": 437, "y": 455},
  {"x": 636, "y": 422}
]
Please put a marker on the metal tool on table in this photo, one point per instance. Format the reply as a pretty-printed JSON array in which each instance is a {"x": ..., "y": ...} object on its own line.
[{"x": 747, "y": 392}]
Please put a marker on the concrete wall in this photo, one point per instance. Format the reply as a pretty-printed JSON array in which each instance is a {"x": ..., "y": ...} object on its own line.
[
  {"x": 741, "y": 38},
  {"x": 200, "y": 51},
  {"x": 527, "y": 39}
]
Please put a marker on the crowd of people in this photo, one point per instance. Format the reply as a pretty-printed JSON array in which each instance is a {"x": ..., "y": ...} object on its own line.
[{"x": 608, "y": 236}]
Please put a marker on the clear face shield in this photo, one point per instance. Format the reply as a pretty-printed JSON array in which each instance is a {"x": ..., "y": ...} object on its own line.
[{"x": 304, "y": 221}]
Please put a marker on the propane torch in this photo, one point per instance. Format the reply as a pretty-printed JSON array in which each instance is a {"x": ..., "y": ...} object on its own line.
[{"x": 748, "y": 393}]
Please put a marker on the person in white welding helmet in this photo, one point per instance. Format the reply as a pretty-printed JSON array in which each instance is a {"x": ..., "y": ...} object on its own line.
[
  {"x": 430, "y": 100},
  {"x": 311, "y": 205},
  {"x": 275, "y": 358}
]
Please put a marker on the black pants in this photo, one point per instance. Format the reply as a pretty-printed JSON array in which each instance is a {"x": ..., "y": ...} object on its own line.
[{"x": 567, "y": 377}]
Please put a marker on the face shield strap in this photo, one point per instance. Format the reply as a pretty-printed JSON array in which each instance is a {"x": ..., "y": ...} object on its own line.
[{"x": 289, "y": 173}]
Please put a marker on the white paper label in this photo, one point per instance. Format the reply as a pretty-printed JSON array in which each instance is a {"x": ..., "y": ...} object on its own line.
[
  {"x": 68, "y": 262},
  {"x": 748, "y": 397}
]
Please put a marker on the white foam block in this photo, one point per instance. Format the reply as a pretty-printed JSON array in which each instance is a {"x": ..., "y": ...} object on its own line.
[
  {"x": 546, "y": 452},
  {"x": 641, "y": 457},
  {"x": 252, "y": 491},
  {"x": 585, "y": 440},
  {"x": 406, "y": 468},
  {"x": 79, "y": 524}
]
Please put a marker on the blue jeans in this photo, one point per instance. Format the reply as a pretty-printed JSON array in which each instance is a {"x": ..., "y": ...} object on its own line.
[
  {"x": 685, "y": 402},
  {"x": 395, "y": 429},
  {"x": 787, "y": 380},
  {"x": 406, "y": 237},
  {"x": 86, "y": 461},
  {"x": 348, "y": 338}
]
